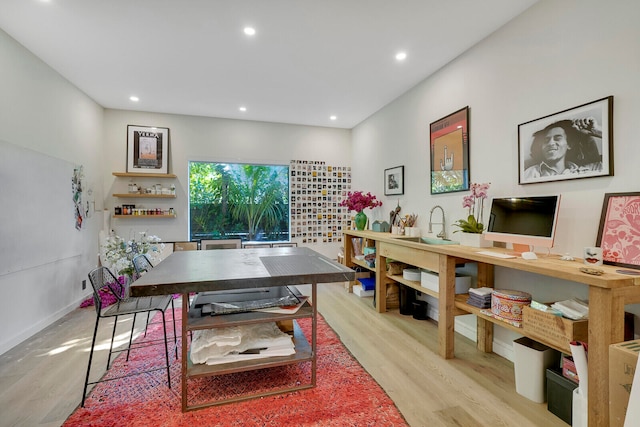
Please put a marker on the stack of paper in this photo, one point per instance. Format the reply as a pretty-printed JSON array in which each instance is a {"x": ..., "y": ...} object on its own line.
[
  {"x": 573, "y": 309},
  {"x": 480, "y": 297},
  {"x": 225, "y": 345}
]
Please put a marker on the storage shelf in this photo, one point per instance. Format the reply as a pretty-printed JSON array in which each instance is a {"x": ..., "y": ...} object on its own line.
[
  {"x": 363, "y": 264},
  {"x": 143, "y": 216},
  {"x": 413, "y": 284},
  {"x": 461, "y": 303},
  {"x": 144, "y": 175},
  {"x": 144, "y": 196},
  {"x": 250, "y": 317},
  {"x": 303, "y": 353}
]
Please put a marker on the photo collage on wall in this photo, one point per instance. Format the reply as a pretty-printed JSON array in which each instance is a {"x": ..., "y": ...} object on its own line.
[{"x": 316, "y": 193}]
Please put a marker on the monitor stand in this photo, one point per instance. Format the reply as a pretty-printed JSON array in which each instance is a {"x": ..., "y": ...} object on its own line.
[{"x": 519, "y": 248}]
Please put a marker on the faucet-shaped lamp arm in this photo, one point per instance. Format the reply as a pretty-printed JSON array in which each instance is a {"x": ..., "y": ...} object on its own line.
[{"x": 442, "y": 234}]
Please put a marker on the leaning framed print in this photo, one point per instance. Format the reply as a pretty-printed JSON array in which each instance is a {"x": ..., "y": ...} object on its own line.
[
  {"x": 570, "y": 144},
  {"x": 619, "y": 232},
  {"x": 147, "y": 149},
  {"x": 394, "y": 181},
  {"x": 449, "y": 146}
]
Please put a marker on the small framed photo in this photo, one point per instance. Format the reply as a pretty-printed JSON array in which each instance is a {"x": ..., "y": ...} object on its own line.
[
  {"x": 394, "y": 181},
  {"x": 619, "y": 232},
  {"x": 449, "y": 146},
  {"x": 571, "y": 144},
  {"x": 147, "y": 149}
]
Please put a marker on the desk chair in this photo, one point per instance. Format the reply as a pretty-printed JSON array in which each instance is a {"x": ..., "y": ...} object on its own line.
[
  {"x": 101, "y": 277},
  {"x": 142, "y": 264}
]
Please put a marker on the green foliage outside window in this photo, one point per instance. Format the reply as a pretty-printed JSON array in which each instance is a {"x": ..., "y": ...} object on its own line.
[{"x": 231, "y": 200}]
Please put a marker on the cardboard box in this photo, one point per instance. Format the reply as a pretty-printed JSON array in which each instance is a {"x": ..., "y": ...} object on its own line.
[
  {"x": 569, "y": 369},
  {"x": 553, "y": 330},
  {"x": 430, "y": 280},
  {"x": 623, "y": 358}
]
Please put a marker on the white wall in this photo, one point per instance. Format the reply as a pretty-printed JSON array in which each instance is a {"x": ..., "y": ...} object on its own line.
[
  {"x": 557, "y": 55},
  {"x": 41, "y": 111},
  {"x": 212, "y": 139}
]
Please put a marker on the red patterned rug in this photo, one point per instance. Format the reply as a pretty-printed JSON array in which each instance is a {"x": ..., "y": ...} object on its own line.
[{"x": 345, "y": 394}]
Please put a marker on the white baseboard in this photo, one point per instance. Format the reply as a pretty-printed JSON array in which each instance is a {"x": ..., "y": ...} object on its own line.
[
  {"x": 499, "y": 347},
  {"x": 39, "y": 326}
]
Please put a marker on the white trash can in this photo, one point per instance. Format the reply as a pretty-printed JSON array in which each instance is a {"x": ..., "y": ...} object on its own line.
[{"x": 531, "y": 362}]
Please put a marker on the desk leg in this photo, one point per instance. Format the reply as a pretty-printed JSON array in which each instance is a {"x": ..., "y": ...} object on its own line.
[
  {"x": 185, "y": 342},
  {"x": 446, "y": 305},
  {"x": 348, "y": 249},
  {"x": 606, "y": 326},
  {"x": 484, "y": 327},
  {"x": 381, "y": 282}
]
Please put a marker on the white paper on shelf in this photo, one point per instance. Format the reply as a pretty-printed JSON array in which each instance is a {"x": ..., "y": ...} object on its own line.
[
  {"x": 633, "y": 410},
  {"x": 579, "y": 355}
]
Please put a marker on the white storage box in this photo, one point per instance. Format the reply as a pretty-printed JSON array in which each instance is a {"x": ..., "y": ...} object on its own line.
[
  {"x": 429, "y": 280},
  {"x": 357, "y": 289},
  {"x": 411, "y": 274}
]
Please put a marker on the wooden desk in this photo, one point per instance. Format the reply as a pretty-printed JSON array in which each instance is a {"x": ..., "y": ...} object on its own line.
[
  {"x": 607, "y": 296},
  {"x": 214, "y": 270}
]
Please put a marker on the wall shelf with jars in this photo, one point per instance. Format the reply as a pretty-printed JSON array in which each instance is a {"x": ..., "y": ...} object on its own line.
[{"x": 148, "y": 191}]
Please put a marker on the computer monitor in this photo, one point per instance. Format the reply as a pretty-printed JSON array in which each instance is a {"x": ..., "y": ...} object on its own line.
[{"x": 524, "y": 221}]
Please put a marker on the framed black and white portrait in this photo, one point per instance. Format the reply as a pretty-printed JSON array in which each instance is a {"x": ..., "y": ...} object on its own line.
[
  {"x": 570, "y": 144},
  {"x": 394, "y": 181}
]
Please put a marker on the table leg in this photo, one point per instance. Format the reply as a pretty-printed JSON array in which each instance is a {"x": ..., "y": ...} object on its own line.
[
  {"x": 185, "y": 341},
  {"x": 606, "y": 326}
]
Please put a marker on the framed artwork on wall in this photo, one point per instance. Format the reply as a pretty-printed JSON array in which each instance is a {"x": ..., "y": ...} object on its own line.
[
  {"x": 449, "y": 146},
  {"x": 570, "y": 144},
  {"x": 619, "y": 232},
  {"x": 147, "y": 149},
  {"x": 394, "y": 181}
]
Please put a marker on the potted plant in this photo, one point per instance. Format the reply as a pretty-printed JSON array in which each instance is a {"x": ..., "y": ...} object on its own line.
[
  {"x": 358, "y": 201},
  {"x": 474, "y": 223}
]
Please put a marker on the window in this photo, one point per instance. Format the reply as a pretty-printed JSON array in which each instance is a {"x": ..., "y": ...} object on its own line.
[{"x": 238, "y": 200}]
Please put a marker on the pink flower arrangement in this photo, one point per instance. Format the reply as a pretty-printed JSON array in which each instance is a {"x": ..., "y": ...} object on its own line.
[
  {"x": 357, "y": 201},
  {"x": 474, "y": 202}
]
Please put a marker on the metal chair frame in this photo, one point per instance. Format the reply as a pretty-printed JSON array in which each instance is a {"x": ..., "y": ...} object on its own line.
[{"x": 101, "y": 277}]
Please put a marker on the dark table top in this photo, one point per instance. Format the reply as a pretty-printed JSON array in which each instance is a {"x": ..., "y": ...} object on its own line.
[{"x": 211, "y": 270}]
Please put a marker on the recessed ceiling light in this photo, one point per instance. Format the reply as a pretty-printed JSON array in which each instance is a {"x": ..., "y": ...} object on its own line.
[
  {"x": 243, "y": 109},
  {"x": 401, "y": 56},
  {"x": 333, "y": 118},
  {"x": 134, "y": 98},
  {"x": 250, "y": 31}
]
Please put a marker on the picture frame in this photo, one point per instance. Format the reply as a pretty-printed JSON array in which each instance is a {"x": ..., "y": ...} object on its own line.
[
  {"x": 394, "y": 181},
  {"x": 584, "y": 149},
  {"x": 147, "y": 149},
  {"x": 449, "y": 147},
  {"x": 619, "y": 230}
]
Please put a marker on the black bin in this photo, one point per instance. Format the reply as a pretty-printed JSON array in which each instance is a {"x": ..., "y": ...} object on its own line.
[
  {"x": 560, "y": 395},
  {"x": 407, "y": 297},
  {"x": 420, "y": 310}
]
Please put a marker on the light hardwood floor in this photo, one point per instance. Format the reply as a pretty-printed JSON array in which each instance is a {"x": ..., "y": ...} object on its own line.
[{"x": 41, "y": 379}]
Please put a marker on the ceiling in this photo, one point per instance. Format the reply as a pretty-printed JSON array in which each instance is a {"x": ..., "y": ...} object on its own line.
[{"x": 308, "y": 60}]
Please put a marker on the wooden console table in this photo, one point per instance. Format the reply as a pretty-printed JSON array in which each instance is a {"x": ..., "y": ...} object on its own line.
[{"x": 608, "y": 295}]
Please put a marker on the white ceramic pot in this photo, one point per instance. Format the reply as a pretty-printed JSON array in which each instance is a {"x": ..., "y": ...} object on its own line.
[{"x": 475, "y": 240}]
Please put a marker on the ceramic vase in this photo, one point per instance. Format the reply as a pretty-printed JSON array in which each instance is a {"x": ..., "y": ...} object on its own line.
[
  {"x": 360, "y": 220},
  {"x": 475, "y": 240}
]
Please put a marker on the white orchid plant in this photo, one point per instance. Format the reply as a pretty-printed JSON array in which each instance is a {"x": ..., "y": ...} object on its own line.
[{"x": 119, "y": 253}]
